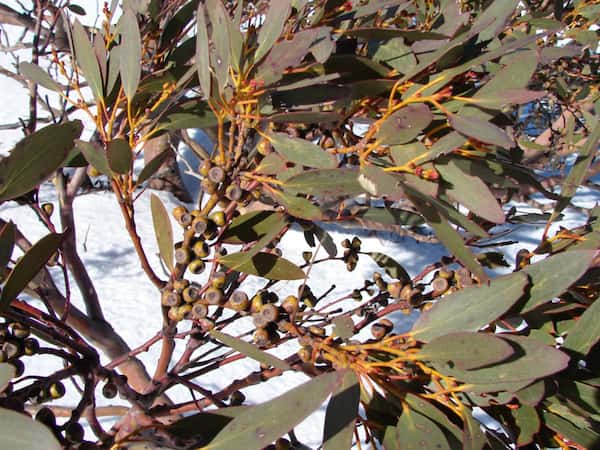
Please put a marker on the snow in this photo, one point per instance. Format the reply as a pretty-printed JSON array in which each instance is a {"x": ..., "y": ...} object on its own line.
[{"x": 132, "y": 304}]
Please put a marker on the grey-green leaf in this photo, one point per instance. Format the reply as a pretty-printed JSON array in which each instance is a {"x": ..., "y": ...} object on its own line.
[
  {"x": 86, "y": 60},
  {"x": 471, "y": 308},
  {"x": 405, "y": 124},
  {"x": 21, "y": 432},
  {"x": 7, "y": 243},
  {"x": 341, "y": 414},
  {"x": 38, "y": 75},
  {"x": 95, "y": 155},
  {"x": 482, "y": 130},
  {"x": 266, "y": 265},
  {"x": 586, "y": 333},
  {"x": 119, "y": 156},
  {"x": 415, "y": 431},
  {"x": 250, "y": 350},
  {"x": 36, "y": 157},
  {"x": 202, "y": 52},
  {"x": 262, "y": 424},
  {"x": 301, "y": 151},
  {"x": 162, "y": 230},
  {"x": 130, "y": 61},
  {"x": 28, "y": 267},
  {"x": 272, "y": 27}
]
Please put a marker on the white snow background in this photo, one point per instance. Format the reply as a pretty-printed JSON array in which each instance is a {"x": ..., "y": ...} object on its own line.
[{"x": 132, "y": 304}]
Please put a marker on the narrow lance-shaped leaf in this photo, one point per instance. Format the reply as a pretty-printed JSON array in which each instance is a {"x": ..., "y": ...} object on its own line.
[
  {"x": 152, "y": 167},
  {"x": 250, "y": 350},
  {"x": 265, "y": 265},
  {"x": 415, "y": 431},
  {"x": 28, "y": 267},
  {"x": 405, "y": 124},
  {"x": 7, "y": 243},
  {"x": 202, "y": 53},
  {"x": 471, "y": 308},
  {"x": 38, "y": 75},
  {"x": 391, "y": 266},
  {"x": 219, "y": 19},
  {"x": 36, "y": 157},
  {"x": 95, "y": 155},
  {"x": 262, "y": 424},
  {"x": 341, "y": 414},
  {"x": 86, "y": 60},
  {"x": 302, "y": 152},
  {"x": 298, "y": 206},
  {"x": 272, "y": 27},
  {"x": 130, "y": 54},
  {"x": 119, "y": 156},
  {"x": 586, "y": 333},
  {"x": 162, "y": 230},
  {"x": 481, "y": 130}
]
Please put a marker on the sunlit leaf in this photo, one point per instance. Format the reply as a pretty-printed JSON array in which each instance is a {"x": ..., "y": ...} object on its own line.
[
  {"x": 471, "y": 308},
  {"x": 262, "y": 424},
  {"x": 202, "y": 52},
  {"x": 221, "y": 57},
  {"x": 586, "y": 333},
  {"x": 95, "y": 155},
  {"x": 325, "y": 182},
  {"x": 152, "y": 167},
  {"x": 415, "y": 431},
  {"x": 528, "y": 422},
  {"x": 301, "y": 152},
  {"x": 250, "y": 350},
  {"x": 36, "y": 157},
  {"x": 162, "y": 230},
  {"x": 253, "y": 226},
  {"x": 391, "y": 266},
  {"x": 266, "y": 265},
  {"x": 272, "y": 27},
  {"x": 28, "y": 267},
  {"x": 130, "y": 53},
  {"x": 298, "y": 206},
  {"x": 481, "y": 130},
  {"x": 38, "y": 75},
  {"x": 86, "y": 59}
]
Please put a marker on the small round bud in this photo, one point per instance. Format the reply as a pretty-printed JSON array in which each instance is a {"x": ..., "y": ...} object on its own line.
[
  {"x": 316, "y": 330},
  {"x": 234, "y": 192},
  {"x": 239, "y": 301},
  {"x": 213, "y": 296},
  {"x": 201, "y": 249},
  {"x": 261, "y": 337},
  {"x": 191, "y": 294},
  {"x": 199, "y": 311},
  {"x": 205, "y": 167},
  {"x": 218, "y": 217},
  {"x": 236, "y": 398},
  {"x": 264, "y": 147},
  {"x": 206, "y": 324},
  {"x": 170, "y": 298},
  {"x": 31, "y": 346},
  {"x": 305, "y": 354},
  {"x": 290, "y": 304},
  {"x": 109, "y": 390},
  {"x": 269, "y": 312},
  {"x": 48, "y": 209},
  {"x": 216, "y": 174},
  {"x": 199, "y": 225},
  {"x": 180, "y": 285},
  {"x": 182, "y": 256},
  {"x": 56, "y": 390},
  {"x": 218, "y": 280},
  {"x": 439, "y": 285},
  {"x": 196, "y": 266}
]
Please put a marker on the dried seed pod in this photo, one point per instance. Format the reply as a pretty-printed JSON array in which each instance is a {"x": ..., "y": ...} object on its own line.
[
  {"x": 213, "y": 296},
  {"x": 48, "y": 209},
  {"x": 261, "y": 337},
  {"x": 74, "y": 432},
  {"x": 13, "y": 348},
  {"x": 238, "y": 301},
  {"x": 211, "y": 231},
  {"x": 236, "y": 398},
  {"x": 356, "y": 295},
  {"x": 180, "y": 285},
  {"x": 178, "y": 211},
  {"x": 174, "y": 314},
  {"x": 199, "y": 225},
  {"x": 290, "y": 304},
  {"x": 257, "y": 302},
  {"x": 185, "y": 312},
  {"x": 31, "y": 346},
  {"x": 350, "y": 266},
  {"x": 208, "y": 186},
  {"x": 264, "y": 147},
  {"x": 285, "y": 326},
  {"x": 218, "y": 280},
  {"x": 378, "y": 331},
  {"x": 46, "y": 416},
  {"x": 170, "y": 298},
  {"x": 356, "y": 243},
  {"x": 270, "y": 312},
  {"x": 234, "y": 192},
  {"x": 259, "y": 320},
  {"x": 191, "y": 294},
  {"x": 18, "y": 366},
  {"x": 446, "y": 273},
  {"x": 216, "y": 174},
  {"x": 199, "y": 311},
  {"x": 346, "y": 243},
  {"x": 406, "y": 292},
  {"x": 20, "y": 331},
  {"x": 463, "y": 277},
  {"x": 182, "y": 256},
  {"x": 439, "y": 285},
  {"x": 196, "y": 266}
]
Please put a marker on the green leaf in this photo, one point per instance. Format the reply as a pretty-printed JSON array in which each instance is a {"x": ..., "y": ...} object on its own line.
[
  {"x": 95, "y": 155},
  {"x": 219, "y": 20},
  {"x": 152, "y": 166},
  {"x": 130, "y": 60},
  {"x": 250, "y": 350},
  {"x": 262, "y": 424},
  {"x": 301, "y": 152},
  {"x": 582, "y": 337},
  {"x": 86, "y": 60},
  {"x": 391, "y": 267},
  {"x": 325, "y": 183},
  {"x": 533, "y": 360},
  {"x": 253, "y": 226},
  {"x": 528, "y": 422},
  {"x": 28, "y": 267},
  {"x": 324, "y": 238},
  {"x": 467, "y": 350},
  {"x": 377, "y": 182},
  {"x": 392, "y": 216},
  {"x": 162, "y": 230},
  {"x": 481, "y": 130},
  {"x": 36, "y": 158},
  {"x": 427, "y": 408},
  {"x": 202, "y": 52},
  {"x": 204, "y": 426},
  {"x": 21, "y": 432},
  {"x": 38, "y": 75},
  {"x": 180, "y": 120},
  {"x": 265, "y": 265},
  {"x": 471, "y": 192},
  {"x": 405, "y": 124},
  {"x": 415, "y": 431},
  {"x": 583, "y": 437},
  {"x": 7, "y": 373},
  {"x": 471, "y": 308},
  {"x": 119, "y": 156},
  {"x": 507, "y": 97},
  {"x": 341, "y": 414},
  {"x": 553, "y": 275},
  {"x": 7, "y": 244},
  {"x": 272, "y": 27},
  {"x": 473, "y": 437},
  {"x": 298, "y": 206}
]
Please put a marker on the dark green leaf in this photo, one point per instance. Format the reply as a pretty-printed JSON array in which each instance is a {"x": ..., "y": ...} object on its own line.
[
  {"x": 553, "y": 275},
  {"x": 528, "y": 423},
  {"x": 202, "y": 52},
  {"x": 302, "y": 152},
  {"x": 341, "y": 414},
  {"x": 86, "y": 60},
  {"x": 20, "y": 432},
  {"x": 494, "y": 18},
  {"x": 119, "y": 156},
  {"x": 162, "y": 230},
  {"x": 272, "y": 27},
  {"x": 533, "y": 394},
  {"x": 481, "y": 130},
  {"x": 325, "y": 183},
  {"x": 405, "y": 124},
  {"x": 582, "y": 337},
  {"x": 266, "y": 265},
  {"x": 391, "y": 267},
  {"x": 325, "y": 239},
  {"x": 130, "y": 54},
  {"x": 95, "y": 155},
  {"x": 152, "y": 166},
  {"x": 262, "y": 424},
  {"x": 416, "y": 432},
  {"x": 7, "y": 243},
  {"x": 471, "y": 192},
  {"x": 471, "y": 308},
  {"x": 36, "y": 74},
  {"x": 76, "y": 9},
  {"x": 253, "y": 226},
  {"x": 427, "y": 408},
  {"x": 467, "y": 350},
  {"x": 250, "y": 350},
  {"x": 28, "y": 267},
  {"x": 298, "y": 206},
  {"x": 36, "y": 157},
  {"x": 204, "y": 426},
  {"x": 382, "y": 34}
]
